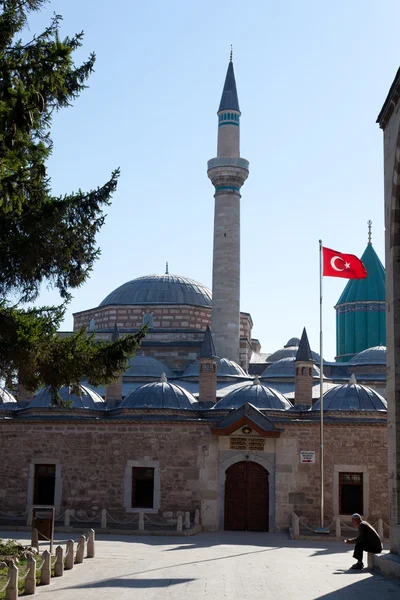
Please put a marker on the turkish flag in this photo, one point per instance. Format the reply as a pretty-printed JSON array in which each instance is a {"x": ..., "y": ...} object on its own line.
[{"x": 337, "y": 264}]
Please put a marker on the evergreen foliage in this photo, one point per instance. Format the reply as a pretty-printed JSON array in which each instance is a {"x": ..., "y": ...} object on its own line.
[{"x": 43, "y": 238}]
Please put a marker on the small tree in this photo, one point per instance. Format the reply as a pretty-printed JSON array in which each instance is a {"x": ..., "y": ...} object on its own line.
[{"x": 44, "y": 238}]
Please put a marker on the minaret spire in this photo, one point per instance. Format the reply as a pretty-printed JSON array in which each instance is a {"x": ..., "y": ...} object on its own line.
[
  {"x": 369, "y": 232},
  {"x": 227, "y": 172},
  {"x": 231, "y": 55}
]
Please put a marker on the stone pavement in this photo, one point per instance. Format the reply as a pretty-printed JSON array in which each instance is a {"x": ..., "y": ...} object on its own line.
[{"x": 216, "y": 566}]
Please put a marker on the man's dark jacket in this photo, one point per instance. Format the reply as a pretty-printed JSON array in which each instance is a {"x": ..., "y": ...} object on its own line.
[{"x": 368, "y": 538}]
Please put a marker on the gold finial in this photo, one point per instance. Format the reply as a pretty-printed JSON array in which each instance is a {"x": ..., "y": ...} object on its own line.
[
  {"x": 166, "y": 268},
  {"x": 369, "y": 232},
  {"x": 231, "y": 56}
]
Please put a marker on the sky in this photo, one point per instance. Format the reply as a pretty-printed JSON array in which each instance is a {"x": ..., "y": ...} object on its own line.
[{"x": 312, "y": 76}]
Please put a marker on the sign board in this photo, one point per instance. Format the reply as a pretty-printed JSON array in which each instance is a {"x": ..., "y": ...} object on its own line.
[{"x": 307, "y": 456}]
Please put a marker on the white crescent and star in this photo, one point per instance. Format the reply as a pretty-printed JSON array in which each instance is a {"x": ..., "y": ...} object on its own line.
[{"x": 334, "y": 265}]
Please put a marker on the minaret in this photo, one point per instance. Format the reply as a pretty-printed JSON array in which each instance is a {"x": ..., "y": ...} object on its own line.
[
  {"x": 208, "y": 369},
  {"x": 227, "y": 172},
  {"x": 303, "y": 381}
]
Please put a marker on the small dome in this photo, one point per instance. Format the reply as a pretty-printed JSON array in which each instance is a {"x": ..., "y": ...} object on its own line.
[
  {"x": 371, "y": 356},
  {"x": 286, "y": 367},
  {"x": 225, "y": 368},
  {"x": 288, "y": 352},
  {"x": 147, "y": 366},
  {"x": 260, "y": 396},
  {"x": 7, "y": 400},
  {"x": 160, "y": 289},
  {"x": 292, "y": 342},
  {"x": 159, "y": 395},
  {"x": 352, "y": 396},
  {"x": 88, "y": 398}
]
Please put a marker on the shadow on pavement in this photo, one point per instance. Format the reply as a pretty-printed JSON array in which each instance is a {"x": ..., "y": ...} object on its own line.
[
  {"x": 119, "y": 582},
  {"x": 364, "y": 588}
]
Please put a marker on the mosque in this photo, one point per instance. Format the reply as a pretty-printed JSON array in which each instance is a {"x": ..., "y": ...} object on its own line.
[{"x": 202, "y": 419}]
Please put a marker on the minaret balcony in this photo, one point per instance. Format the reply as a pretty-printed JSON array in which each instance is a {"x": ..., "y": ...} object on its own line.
[{"x": 226, "y": 161}]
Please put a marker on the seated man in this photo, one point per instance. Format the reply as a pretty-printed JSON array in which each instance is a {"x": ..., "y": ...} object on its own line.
[{"x": 368, "y": 540}]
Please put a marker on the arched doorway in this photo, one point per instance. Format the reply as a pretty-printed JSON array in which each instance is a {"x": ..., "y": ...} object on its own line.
[{"x": 246, "y": 497}]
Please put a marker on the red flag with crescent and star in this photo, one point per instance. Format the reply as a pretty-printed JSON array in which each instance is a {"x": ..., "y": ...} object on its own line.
[{"x": 337, "y": 264}]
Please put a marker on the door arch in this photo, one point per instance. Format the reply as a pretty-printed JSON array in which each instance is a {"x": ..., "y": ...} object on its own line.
[{"x": 246, "y": 497}]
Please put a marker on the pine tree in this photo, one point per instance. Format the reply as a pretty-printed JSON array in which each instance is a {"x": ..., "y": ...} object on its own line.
[{"x": 44, "y": 238}]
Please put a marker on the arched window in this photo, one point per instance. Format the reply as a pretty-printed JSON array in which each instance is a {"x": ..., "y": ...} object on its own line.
[
  {"x": 224, "y": 116},
  {"x": 148, "y": 320},
  {"x": 303, "y": 370}
]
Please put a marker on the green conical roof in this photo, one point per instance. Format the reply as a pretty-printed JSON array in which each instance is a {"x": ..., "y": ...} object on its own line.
[{"x": 370, "y": 288}]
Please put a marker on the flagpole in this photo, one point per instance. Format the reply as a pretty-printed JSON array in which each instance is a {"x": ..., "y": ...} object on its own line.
[{"x": 321, "y": 396}]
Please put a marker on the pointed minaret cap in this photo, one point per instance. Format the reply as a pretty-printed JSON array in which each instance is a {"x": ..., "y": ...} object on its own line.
[
  {"x": 207, "y": 349},
  {"x": 163, "y": 378},
  {"x": 304, "y": 353},
  {"x": 352, "y": 380},
  {"x": 229, "y": 98},
  {"x": 115, "y": 335}
]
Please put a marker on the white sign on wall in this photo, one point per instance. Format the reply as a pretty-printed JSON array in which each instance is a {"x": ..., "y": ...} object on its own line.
[{"x": 307, "y": 456}]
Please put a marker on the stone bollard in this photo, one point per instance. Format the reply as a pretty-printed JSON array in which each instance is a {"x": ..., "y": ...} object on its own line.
[
  {"x": 45, "y": 572},
  {"x": 103, "y": 524},
  {"x": 90, "y": 544},
  {"x": 370, "y": 560},
  {"x": 12, "y": 588},
  {"x": 295, "y": 524},
  {"x": 35, "y": 539},
  {"x": 30, "y": 581},
  {"x": 179, "y": 525},
  {"x": 29, "y": 518},
  {"x": 80, "y": 549},
  {"x": 197, "y": 517},
  {"x": 338, "y": 527},
  {"x": 141, "y": 522},
  {"x": 59, "y": 564},
  {"x": 67, "y": 518},
  {"x": 187, "y": 520},
  {"x": 69, "y": 557},
  {"x": 380, "y": 529}
]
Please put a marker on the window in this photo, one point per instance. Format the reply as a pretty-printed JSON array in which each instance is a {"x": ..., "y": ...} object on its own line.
[
  {"x": 142, "y": 487},
  {"x": 44, "y": 484},
  {"x": 148, "y": 320},
  {"x": 351, "y": 493}
]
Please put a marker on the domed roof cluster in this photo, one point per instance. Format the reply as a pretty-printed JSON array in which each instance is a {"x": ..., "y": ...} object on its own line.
[
  {"x": 160, "y": 289},
  {"x": 161, "y": 394},
  {"x": 371, "y": 356},
  {"x": 285, "y": 367},
  {"x": 352, "y": 396},
  {"x": 87, "y": 398},
  {"x": 147, "y": 366},
  {"x": 225, "y": 368},
  {"x": 289, "y": 350},
  {"x": 7, "y": 400},
  {"x": 260, "y": 396}
]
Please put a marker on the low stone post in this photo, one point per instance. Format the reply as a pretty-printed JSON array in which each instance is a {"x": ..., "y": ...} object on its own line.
[
  {"x": 380, "y": 528},
  {"x": 103, "y": 524},
  {"x": 69, "y": 557},
  {"x": 80, "y": 549},
  {"x": 141, "y": 522},
  {"x": 90, "y": 544},
  {"x": 29, "y": 518},
  {"x": 59, "y": 564},
  {"x": 197, "y": 517},
  {"x": 35, "y": 539},
  {"x": 370, "y": 560},
  {"x": 295, "y": 524},
  {"x": 30, "y": 581},
  {"x": 45, "y": 573},
  {"x": 179, "y": 525},
  {"x": 338, "y": 527},
  {"x": 187, "y": 519},
  {"x": 67, "y": 518},
  {"x": 12, "y": 588}
]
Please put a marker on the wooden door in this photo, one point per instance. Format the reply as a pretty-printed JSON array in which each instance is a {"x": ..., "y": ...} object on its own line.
[{"x": 246, "y": 497}]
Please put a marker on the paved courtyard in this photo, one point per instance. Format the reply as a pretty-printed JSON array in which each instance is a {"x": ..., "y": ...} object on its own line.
[{"x": 216, "y": 566}]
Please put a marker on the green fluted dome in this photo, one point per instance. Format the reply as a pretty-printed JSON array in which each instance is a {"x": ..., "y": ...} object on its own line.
[{"x": 360, "y": 311}]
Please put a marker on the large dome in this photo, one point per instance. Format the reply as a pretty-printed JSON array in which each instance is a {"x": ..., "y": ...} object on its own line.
[
  {"x": 160, "y": 289},
  {"x": 352, "y": 396},
  {"x": 371, "y": 356}
]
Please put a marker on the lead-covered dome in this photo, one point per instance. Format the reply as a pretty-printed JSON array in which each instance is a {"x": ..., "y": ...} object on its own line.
[
  {"x": 161, "y": 394},
  {"x": 260, "y": 396},
  {"x": 160, "y": 289},
  {"x": 146, "y": 366},
  {"x": 86, "y": 399},
  {"x": 289, "y": 350},
  {"x": 286, "y": 367},
  {"x": 371, "y": 356},
  {"x": 352, "y": 396},
  {"x": 225, "y": 368}
]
